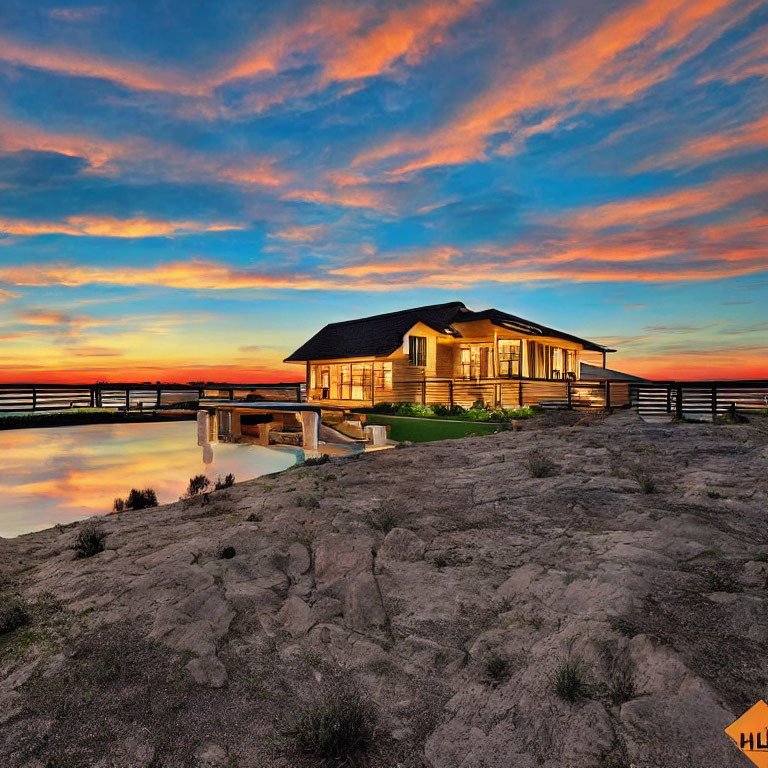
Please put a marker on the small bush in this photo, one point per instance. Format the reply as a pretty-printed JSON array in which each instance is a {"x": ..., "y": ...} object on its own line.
[
  {"x": 89, "y": 541},
  {"x": 310, "y": 502},
  {"x": 540, "y": 465},
  {"x": 621, "y": 688},
  {"x": 497, "y": 668},
  {"x": 718, "y": 582},
  {"x": 645, "y": 481},
  {"x": 440, "y": 561},
  {"x": 314, "y": 461},
  {"x": 383, "y": 519},
  {"x": 118, "y": 505},
  {"x": 226, "y": 553},
  {"x": 13, "y": 613},
  {"x": 197, "y": 485},
  {"x": 336, "y": 726},
  {"x": 227, "y": 482},
  {"x": 568, "y": 681},
  {"x": 141, "y": 499},
  {"x": 253, "y": 518}
]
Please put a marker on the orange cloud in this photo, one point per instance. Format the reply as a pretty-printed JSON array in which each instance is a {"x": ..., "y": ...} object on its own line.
[
  {"x": 77, "y": 64},
  {"x": 5, "y": 295},
  {"x": 16, "y": 136},
  {"x": 306, "y": 234},
  {"x": 749, "y": 136},
  {"x": 630, "y": 51},
  {"x": 348, "y": 197},
  {"x": 669, "y": 206},
  {"x": 262, "y": 173},
  {"x": 433, "y": 260},
  {"x": 110, "y": 226},
  {"x": 408, "y": 33}
]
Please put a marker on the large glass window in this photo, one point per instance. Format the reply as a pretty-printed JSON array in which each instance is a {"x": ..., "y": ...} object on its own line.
[
  {"x": 570, "y": 363},
  {"x": 557, "y": 363},
  {"x": 509, "y": 358},
  {"x": 383, "y": 376},
  {"x": 349, "y": 381},
  {"x": 417, "y": 350}
]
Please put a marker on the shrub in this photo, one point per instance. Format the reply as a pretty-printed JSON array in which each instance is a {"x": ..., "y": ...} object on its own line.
[
  {"x": 718, "y": 582},
  {"x": 383, "y": 519},
  {"x": 197, "y": 485},
  {"x": 568, "y": 681},
  {"x": 441, "y": 410},
  {"x": 310, "y": 502},
  {"x": 621, "y": 688},
  {"x": 13, "y": 613},
  {"x": 253, "y": 518},
  {"x": 226, "y": 553},
  {"x": 227, "y": 482},
  {"x": 645, "y": 480},
  {"x": 440, "y": 561},
  {"x": 141, "y": 499},
  {"x": 336, "y": 726},
  {"x": 118, "y": 505},
  {"x": 497, "y": 668},
  {"x": 89, "y": 541},
  {"x": 540, "y": 465},
  {"x": 314, "y": 461}
]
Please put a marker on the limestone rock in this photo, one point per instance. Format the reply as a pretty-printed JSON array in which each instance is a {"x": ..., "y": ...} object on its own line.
[
  {"x": 296, "y": 616},
  {"x": 363, "y": 609},
  {"x": 339, "y": 557},
  {"x": 208, "y": 670},
  {"x": 402, "y": 544}
]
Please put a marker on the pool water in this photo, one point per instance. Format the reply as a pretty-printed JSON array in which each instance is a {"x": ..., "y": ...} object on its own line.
[{"x": 62, "y": 474}]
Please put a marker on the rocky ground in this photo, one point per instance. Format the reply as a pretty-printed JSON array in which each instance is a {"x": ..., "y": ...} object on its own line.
[{"x": 611, "y": 613}]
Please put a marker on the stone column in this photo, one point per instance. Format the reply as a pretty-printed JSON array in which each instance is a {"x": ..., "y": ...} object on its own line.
[
  {"x": 310, "y": 428},
  {"x": 206, "y": 428},
  {"x": 264, "y": 433}
]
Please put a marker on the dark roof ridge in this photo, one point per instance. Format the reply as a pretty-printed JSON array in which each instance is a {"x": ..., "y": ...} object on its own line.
[{"x": 457, "y": 304}]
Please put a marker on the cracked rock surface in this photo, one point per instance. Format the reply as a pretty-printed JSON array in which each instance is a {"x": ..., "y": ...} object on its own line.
[{"x": 447, "y": 582}]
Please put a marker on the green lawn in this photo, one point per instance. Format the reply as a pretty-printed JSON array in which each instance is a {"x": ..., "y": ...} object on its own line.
[{"x": 425, "y": 430}]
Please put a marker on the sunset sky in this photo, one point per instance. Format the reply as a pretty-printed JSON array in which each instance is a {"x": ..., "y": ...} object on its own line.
[{"x": 190, "y": 189}]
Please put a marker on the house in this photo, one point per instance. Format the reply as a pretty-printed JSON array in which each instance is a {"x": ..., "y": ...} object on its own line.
[{"x": 442, "y": 353}]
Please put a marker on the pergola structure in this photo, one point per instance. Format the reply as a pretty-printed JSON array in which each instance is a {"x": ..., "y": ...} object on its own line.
[{"x": 222, "y": 420}]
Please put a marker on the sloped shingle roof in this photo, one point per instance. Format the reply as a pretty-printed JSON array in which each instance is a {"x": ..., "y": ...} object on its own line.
[{"x": 381, "y": 335}]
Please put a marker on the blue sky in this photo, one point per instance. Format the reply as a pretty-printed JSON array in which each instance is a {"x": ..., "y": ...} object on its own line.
[{"x": 188, "y": 190}]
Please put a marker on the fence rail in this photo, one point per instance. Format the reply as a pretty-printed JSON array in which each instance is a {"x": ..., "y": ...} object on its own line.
[
  {"x": 694, "y": 399},
  {"x": 54, "y": 397}
]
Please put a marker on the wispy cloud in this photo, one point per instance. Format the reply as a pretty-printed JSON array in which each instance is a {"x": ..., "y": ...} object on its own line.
[
  {"x": 630, "y": 51},
  {"x": 111, "y": 226},
  {"x": 742, "y": 138}
]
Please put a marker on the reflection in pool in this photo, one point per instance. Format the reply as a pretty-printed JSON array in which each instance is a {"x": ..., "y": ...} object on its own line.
[{"x": 62, "y": 474}]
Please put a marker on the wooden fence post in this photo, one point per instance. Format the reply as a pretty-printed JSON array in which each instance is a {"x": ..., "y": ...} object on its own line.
[
  {"x": 714, "y": 404},
  {"x": 450, "y": 392},
  {"x": 669, "y": 399},
  {"x": 520, "y": 393},
  {"x": 159, "y": 398},
  {"x": 424, "y": 390},
  {"x": 607, "y": 395},
  {"x": 679, "y": 403},
  {"x": 568, "y": 389},
  {"x": 127, "y": 399}
]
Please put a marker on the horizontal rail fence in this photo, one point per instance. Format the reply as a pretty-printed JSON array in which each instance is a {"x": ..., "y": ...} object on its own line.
[
  {"x": 293, "y": 393},
  {"x": 694, "y": 399},
  {"x": 55, "y": 397}
]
